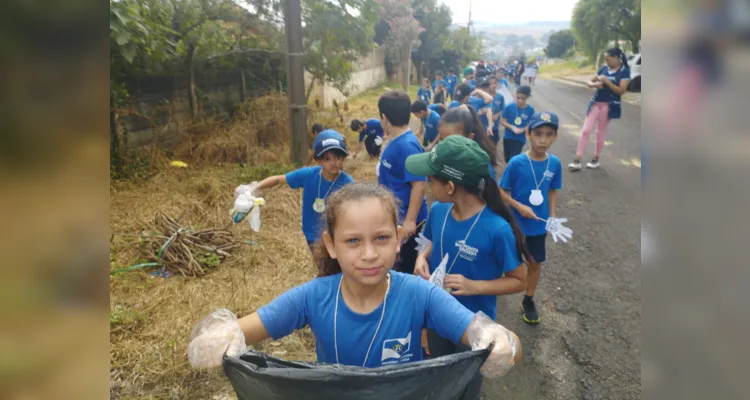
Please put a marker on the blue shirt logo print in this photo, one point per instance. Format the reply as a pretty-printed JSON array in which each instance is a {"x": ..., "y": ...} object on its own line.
[{"x": 395, "y": 349}]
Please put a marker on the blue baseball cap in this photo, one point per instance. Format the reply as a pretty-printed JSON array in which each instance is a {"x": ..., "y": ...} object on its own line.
[
  {"x": 329, "y": 139},
  {"x": 544, "y": 118}
]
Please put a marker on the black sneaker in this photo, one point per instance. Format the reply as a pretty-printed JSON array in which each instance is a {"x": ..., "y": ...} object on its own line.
[{"x": 530, "y": 314}]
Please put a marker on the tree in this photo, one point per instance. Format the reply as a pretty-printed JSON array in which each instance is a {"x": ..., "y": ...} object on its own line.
[
  {"x": 403, "y": 33},
  {"x": 559, "y": 43},
  {"x": 597, "y": 22},
  {"x": 335, "y": 39},
  {"x": 436, "y": 21}
]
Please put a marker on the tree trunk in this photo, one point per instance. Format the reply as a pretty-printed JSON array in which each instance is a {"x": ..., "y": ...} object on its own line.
[
  {"x": 191, "y": 85},
  {"x": 242, "y": 85},
  {"x": 310, "y": 87},
  {"x": 406, "y": 65},
  {"x": 115, "y": 140}
]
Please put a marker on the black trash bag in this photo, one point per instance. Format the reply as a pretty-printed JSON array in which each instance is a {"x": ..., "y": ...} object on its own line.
[{"x": 259, "y": 376}]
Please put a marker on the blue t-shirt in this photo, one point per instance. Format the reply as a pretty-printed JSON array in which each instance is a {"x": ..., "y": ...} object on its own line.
[
  {"x": 504, "y": 82},
  {"x": 454, "y": 104},
  {"x": 498, "y": 103},
  {"x": 478, "y": 104},
  {"x": 309, "y": 178},
  {"x": 372, "y": 127},
  {"x": 431, "y": 125},
  {"x": 425, "y": 95},
  {"x": 519, "y": 181},
  {"x": 519, "y": 118},
  {"x": 395, "y": 177},
  {"x": 605, "y": 94},
  {"x": 412, "y": 304},
  {"x": 437, "y": 81},
  {"x": 472, "y": 84},
  {"x": 488, "y": 253},
  {"x": 434, "y": 107},
  {"x": 452, "y": 82}
]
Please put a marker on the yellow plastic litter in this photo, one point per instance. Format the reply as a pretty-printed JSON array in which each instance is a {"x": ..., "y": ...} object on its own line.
[{"x": 178, "y": 164}]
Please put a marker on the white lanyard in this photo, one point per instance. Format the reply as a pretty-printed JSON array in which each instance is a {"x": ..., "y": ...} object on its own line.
[
  {"x": 546, "y": 169},
  {"x": 336, "y": 317},
  {"x": 465, "y": 239},
  {"x": 332, "y": 183}
]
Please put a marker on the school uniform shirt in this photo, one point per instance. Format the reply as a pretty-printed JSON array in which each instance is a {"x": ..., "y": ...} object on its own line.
[
  {"x": 498, "y": 104},
  {"x": 452, "y": 83},
  {"x": 394, "y": 176},
  {"x": 454, "y": 104},
  {"x": 431, "y": 125},
  {"x": 487, "y": 254},
  {"x": 372, "y": 127},
  {"x": 505, "y": 83},
  {"x": 517, "y": 117},
  {"x": 519, "y": 181},
  {"x": 425, "y": 95},
  {"x": 436, "y": 82},
  {"x": 411, "y": 304},
  {"x": 434, "y": 107},
  {"x": 605, "y": 94},
  {"x": 472, "y": 84},
  {"x": 308, "y": 179},
  {"x": 478, "y": 104}
]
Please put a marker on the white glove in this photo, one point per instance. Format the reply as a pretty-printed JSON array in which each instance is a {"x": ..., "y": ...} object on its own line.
[
  {"x": 482, "y": 332},
  {"x": 216, "y": 335},
  {"x": 557, "y": 230},
  {"x": 422, "y": 242},
  {"x": 378, "y": 140},
  {"x": 438, "y": 276}
]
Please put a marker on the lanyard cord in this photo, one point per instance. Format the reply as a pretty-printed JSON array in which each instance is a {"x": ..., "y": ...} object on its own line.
[
  {"x": 465, "y": 239},
  {"x": 546, "y": 169},
  {"x": 336, "y": 317},
  {"x": 320, "y": 180}
]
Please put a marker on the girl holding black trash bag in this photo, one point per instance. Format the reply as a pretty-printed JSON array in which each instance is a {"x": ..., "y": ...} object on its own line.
[{"x": 361, "y": 312}]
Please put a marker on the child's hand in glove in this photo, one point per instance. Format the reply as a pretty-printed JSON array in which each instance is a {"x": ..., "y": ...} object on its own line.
[
  {"x": 506, "y": 352},
  {"x": 216, "y": 335}
]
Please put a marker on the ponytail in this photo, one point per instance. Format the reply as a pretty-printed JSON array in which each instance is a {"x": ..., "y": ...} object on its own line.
[
  {"x": 468, "y": 118},
  {"x": 327, "y": 266},
  {"x": 491, "y": 195}
]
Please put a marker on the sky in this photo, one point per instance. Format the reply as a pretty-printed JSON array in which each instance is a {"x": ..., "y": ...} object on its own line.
[{"x": 511, "y": 11}]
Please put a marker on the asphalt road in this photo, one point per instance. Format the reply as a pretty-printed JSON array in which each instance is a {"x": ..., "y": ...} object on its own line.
[{"x": 588, "y": 344}]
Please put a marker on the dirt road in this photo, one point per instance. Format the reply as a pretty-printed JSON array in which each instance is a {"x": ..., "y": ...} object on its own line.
[{"x": 588, "y": 344}]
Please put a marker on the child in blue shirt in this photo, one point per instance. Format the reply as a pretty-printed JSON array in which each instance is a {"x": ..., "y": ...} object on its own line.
[
  {"x": 360, "y": 312},
  {"x": 464, "y": 121},
  {"x": 395, "y": 107},
  {"x": 425, "y": 93},
  {"x": 439, "y": 97},
  {"x": 530, "y": 183},
  {"x": 498, "y": 104},
  {"x": 430, "y": 121},
  {"x": 317, "y": 182},
  {"x": 452, "y": 81},
  {"x": 370, "y": 133},
  {"x": 438, "y": 80},
  {"x": 471, "y": 226},
  {"x": 478, "y": 99},
  {"x": 515, "y": 118}
]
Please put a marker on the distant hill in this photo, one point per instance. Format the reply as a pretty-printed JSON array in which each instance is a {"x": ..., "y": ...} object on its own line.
[{"x": 533, "y": 28}]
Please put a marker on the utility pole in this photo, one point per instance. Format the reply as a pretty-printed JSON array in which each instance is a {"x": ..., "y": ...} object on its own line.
[
  {"x": 468, "y": 26},
  {"x": 295, "y": 82}
]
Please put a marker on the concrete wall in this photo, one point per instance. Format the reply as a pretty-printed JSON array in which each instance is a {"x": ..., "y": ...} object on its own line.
[{"x": 370, "y": 72}]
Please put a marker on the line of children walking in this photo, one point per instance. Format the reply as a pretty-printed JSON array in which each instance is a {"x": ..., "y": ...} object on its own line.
[{"x": 489, "y": 238}]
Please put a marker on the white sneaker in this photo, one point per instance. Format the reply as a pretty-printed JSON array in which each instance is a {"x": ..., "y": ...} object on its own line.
[
  {"x": 575, "y": 166},
  {"x": 593, "y": 164}
]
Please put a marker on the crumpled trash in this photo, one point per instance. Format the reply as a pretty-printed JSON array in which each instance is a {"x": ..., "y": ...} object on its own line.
[{"x": 245, "y": 203}]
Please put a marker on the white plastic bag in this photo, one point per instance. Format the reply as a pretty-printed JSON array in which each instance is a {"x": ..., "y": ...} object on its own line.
[
  {"x": 438, "y": 276},
  {"x": 245, "y": 203}
]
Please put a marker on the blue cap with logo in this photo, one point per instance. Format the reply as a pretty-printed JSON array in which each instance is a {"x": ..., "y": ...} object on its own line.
[
  {"x": 329, "y": 139},
  {"x": 544, "y": 118}
]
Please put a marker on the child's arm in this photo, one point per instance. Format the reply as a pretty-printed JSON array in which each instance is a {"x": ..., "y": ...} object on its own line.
[
  {"x": 415, "y": 205},
  {"x": 272, "y": 181},
  {"x": 422, "y": 266},
  {"x": 552, "y": 202},
  {"x": 253, "y": 329},
  {"x": 487, "y": 98},
  {"x": 522, "y": 209},
  {"x": 511, "y": 282}
]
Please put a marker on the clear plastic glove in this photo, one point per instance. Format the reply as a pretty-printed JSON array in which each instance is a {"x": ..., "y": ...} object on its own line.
[
  {"x": 557, "y": 230},
  {"x": 482, "y": 332},
  {"x": 216, "y": 335},
  {"x": 422, "y": 242}
]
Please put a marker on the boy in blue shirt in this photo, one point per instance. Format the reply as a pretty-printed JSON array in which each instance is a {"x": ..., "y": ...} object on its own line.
[
  {"x": 475, "y": 98},
  {"x": 371, "y": 133},
  {"x": 425, "y": 93},
  {"x": 452, "y": 81},
  {"x": 529, "y": 185},
  {"x": 498, "y": 104},
  {"x": 409, "y": 189},
  {"x": 438, "y": 80},
  {"x": 515, "y": 118},
  {"x": 430, "y": 121},
  {"x": 317, "y": 182}
]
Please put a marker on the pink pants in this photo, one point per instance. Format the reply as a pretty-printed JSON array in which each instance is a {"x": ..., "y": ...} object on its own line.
[{"x": 599, "y": 114}]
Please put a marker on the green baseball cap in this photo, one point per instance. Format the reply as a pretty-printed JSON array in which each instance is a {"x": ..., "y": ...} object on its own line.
[{"x": 456, "y": 158}]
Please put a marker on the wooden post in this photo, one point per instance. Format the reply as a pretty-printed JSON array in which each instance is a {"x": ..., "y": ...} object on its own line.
[{"x": 295, "y": 77}]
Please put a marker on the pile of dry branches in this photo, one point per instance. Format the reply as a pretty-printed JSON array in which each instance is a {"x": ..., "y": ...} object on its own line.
[{"x": 189, "y": 252}]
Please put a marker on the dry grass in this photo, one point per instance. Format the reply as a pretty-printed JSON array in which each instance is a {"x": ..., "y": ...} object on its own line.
[{"x": 151, "y": 318}]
